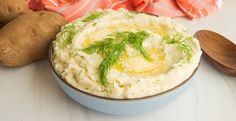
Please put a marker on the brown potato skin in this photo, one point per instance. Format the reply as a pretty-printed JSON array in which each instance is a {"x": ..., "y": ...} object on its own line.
[
  {"x": 27, "y": 38},
  {"x": 9, "y": 9}
]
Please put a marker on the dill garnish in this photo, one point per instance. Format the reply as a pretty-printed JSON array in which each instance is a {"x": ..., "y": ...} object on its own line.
[
  {"x": 67, "y": 35},
  {"x": 112, "y": 47},
  {"x": 93, "y": 16},
  {"x": 182, "y": 43}
]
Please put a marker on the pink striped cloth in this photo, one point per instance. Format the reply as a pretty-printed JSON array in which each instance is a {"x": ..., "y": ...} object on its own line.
[{"x": 73, "y": 9}]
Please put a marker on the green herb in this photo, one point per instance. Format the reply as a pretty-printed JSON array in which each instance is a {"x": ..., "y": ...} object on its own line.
[
  {"x": 95, "y": 23},
  {"x": 182, "y": 43},
  {"x": 93, "y": 16},
  {"x": 112, "y": 47},
  {"x": 136, "y": 41},
  {"x": 67, "y": 35}
]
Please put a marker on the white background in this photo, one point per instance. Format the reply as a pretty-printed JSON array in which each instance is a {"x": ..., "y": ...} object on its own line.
[{"x": 30, "y": 93}]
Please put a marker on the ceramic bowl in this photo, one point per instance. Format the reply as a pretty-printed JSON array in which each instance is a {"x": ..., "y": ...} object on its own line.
[{"x": 118, "y": 106}]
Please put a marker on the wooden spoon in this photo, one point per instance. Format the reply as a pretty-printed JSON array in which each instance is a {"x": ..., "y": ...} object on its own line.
[{"x": 220, "y": 51}]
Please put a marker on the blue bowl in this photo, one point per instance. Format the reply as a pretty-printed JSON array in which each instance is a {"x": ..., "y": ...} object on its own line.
[{"x": 118, "y": 106}]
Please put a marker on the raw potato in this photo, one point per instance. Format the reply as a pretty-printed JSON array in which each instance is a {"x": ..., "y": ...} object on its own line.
[
  {"x": 9, "y": 9},
  {"x": 27, "y": 38}
]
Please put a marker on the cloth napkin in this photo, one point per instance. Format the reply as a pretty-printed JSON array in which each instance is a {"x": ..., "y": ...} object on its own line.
[{"x": 73, "y": 9}]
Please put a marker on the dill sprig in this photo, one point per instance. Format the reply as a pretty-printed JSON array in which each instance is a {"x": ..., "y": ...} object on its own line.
[
  {"x": 67, "y": 35},
  {"x": 92, "y": 16},
  {"x": 182, "y": 43},
  {"x": 136, "y": 41},
  {"x": 112, "y": 47},
  {"x": 69, "y": 31}
]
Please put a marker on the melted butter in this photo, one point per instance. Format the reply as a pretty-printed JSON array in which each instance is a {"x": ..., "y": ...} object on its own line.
[
  {"x": 160, "y": 30},
  {"x": 137, "y": 65},
  {"x": 102, "y": 33},
  {"x": 87, "y": 42},
  {"x": 99, "y": 34},
  {"x": 120, "y": 65}
]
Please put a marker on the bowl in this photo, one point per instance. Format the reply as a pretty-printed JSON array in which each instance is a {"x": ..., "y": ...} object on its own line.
[{"x": 118, "y": 106}]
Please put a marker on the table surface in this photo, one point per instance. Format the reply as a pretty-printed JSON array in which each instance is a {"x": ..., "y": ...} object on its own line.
[{"x": 30, "y": 93}]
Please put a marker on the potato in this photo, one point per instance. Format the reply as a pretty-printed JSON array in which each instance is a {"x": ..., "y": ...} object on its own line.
[
  {"x": 27, "y": 38},
  {"x": 9, "y": 9}
]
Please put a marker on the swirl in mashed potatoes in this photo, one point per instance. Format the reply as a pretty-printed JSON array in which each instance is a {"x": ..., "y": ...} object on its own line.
[{"x": 174, "y": 54}]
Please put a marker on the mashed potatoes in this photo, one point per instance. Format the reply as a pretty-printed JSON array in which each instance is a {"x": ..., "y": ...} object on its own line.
[{"x": 173, "y": 54}]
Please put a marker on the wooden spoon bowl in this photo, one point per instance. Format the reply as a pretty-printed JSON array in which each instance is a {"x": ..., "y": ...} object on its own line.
[
  {"x": 220, "y": 51},
  {"x": 220, "y": 67}
]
